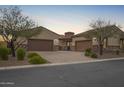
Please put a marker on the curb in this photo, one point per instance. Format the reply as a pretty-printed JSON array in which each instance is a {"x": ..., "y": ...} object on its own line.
[{"x": 58, "y": 64}]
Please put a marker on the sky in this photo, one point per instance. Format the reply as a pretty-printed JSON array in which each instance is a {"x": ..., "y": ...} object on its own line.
[{"x": 72, "y": 18}]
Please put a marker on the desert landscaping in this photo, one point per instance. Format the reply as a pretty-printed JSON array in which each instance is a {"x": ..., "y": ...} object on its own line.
[{"x": 26, "y": 44}]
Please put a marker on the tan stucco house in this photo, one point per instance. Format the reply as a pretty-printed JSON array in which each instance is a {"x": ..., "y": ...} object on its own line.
[
  {"x": 48, "y": 40},
  {"x": 82, "y": 41}
]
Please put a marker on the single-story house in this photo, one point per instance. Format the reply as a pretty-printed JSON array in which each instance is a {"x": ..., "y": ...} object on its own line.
[
  {"x": 48, "y": 40},
  {"x": 82, "y": 41}
]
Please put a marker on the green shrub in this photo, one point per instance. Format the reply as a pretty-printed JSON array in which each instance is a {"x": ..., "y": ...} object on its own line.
[
  {"x": 37, "y": 60},
  {"x": 88, "y": 50},
  {"x": 87, "y": 53},
  {"x": 90, "y": 53},
  {"x": 9, "y": 51},
  {"x": 4, "y": 52},
  {"x": 93, "y": 55},
  {"x": 20, "y": 53},
  {"x": 30, "y": 55}
]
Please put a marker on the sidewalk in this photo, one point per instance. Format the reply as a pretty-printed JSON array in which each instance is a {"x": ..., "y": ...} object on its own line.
[{"x": 58, "y": 64}]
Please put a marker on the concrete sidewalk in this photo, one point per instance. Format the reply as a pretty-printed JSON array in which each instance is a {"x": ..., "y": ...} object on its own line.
[
  {"x": 95, "y": 74},
  {"x": 59, "y": 64}
]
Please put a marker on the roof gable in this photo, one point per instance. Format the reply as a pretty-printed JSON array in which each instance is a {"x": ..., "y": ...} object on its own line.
[
  {"x": 89, "y": 32},
  {"x": 45, "y": 34}
]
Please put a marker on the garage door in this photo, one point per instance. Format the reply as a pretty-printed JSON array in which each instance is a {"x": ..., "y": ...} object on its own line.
[
  {"x": 82, "y": 45},
  {"x": 40, "y": 45}
]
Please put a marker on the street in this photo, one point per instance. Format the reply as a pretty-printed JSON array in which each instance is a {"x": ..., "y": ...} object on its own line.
[{"x": 95, "y": 74}]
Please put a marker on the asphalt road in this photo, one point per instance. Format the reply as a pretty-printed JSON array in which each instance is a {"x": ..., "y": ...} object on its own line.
[{"x": 97, "y": 74}]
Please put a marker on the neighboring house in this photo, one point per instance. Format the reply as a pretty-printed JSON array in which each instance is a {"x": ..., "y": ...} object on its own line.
[{"x": 83, "y": 40}]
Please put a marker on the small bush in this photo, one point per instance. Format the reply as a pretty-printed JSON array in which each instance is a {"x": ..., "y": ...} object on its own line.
[
  {"x": 90, "y": 53},
  {"x": 9, "y": 51},
  {"x": 93, "y": 55},
  {"x": 88, "y": 50},
  {"x": 4, "y": 52},
  {"x": 37, "y": 60},
  {"x": 87, "y": 53},
  {"x": 20, "y": 53},
  {"x": 30, "y": 55}
]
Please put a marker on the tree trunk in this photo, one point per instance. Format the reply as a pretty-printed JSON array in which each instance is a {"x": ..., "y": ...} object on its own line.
[
  {"x": 101, "y": 49},
  {"x": 12, "y": 48}
]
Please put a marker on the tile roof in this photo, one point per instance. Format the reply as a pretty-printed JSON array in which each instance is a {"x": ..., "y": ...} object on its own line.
[{"x": 89, "y": 33}]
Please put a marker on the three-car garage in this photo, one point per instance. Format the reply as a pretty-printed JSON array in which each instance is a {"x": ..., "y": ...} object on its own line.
[{"x": 47, "y": 45}]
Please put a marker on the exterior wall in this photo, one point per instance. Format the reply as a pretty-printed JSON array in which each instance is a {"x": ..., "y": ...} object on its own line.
[
  {"x": 55, "y": 47},
  {"x": 72, "y": 48},
  {"x": 122, "y": 44},
  {"x": 62, "y": 43},
  {"x": 113, "y": 41},
  {"x": 94, "y": 41},
  {"x": 22, "y": 38},
  {"x": 24, "y": 42},
  {"x": 95, "y": 48},
  {"x": 56, "y": 42},
  {"x": 46, "y": 35},
  {"x": 113, "y": 47}
]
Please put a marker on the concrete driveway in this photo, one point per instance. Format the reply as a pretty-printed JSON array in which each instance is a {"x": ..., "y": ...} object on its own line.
[{"x": 64, "y": 56}]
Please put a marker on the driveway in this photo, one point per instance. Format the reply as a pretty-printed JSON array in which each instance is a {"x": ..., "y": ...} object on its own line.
[
  {"x": 64, "y": 56},
  {"x": 96, "y": 74}
]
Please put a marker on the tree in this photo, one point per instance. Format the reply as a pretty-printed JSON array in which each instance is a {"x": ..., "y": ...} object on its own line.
[
  {"x": 102, "y": 30},
  {"x": 14, "y": 24}
]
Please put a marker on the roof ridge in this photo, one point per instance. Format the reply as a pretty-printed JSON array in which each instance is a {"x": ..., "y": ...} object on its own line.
[
  {"x": 48, "y": 30},
  {"x": 94, "y": 29}
]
